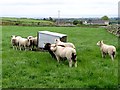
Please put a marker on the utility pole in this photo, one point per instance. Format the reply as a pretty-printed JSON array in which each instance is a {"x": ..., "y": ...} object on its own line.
[{"x": 58, "y": 17}]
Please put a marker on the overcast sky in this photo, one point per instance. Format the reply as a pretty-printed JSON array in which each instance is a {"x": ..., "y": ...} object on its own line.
[{"x": 67, "y": 8}]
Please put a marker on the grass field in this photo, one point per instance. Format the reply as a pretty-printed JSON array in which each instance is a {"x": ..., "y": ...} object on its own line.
[{"x": 30, "y": 69}]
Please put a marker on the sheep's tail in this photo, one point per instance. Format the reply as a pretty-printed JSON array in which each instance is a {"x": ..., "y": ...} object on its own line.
[{"x": 74, "y": 57}]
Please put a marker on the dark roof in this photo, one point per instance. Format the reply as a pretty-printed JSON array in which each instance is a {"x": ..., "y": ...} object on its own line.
[{"x": 97, "y": 21}]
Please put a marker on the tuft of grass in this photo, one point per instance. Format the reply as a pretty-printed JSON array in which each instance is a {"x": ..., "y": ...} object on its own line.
[{"x": 30, "y": 69}]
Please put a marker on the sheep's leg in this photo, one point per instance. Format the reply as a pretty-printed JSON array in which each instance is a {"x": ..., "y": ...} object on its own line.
[
  {"x": 58, "y": 59},
  {"x": 31, "y": 48},
  {"x": 70, "y": 63},
  {"x": 13, "y": 47},
  {"x": 20, "y": 48},
  {"x": 75, "y": 63},
  {"x": 112, "y": 57},
  {"x": 25, "y": 48},
  {"x": 16, "y": 47},
  {"x": 103, "y": 54}
]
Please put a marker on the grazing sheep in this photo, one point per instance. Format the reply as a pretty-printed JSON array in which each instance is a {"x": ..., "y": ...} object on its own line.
[
  {"x": 14, "y": 41},
  {"x": 65, "y": 52},
  {"x": 47, "y": 47},
  {"x": 58, "y": 42},
  {"x": 24, "y": 43},
  {"x": 107, "y": 49}
]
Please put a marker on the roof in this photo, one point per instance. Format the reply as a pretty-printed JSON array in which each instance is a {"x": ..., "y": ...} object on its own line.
[
  {"x": 97, "y": 21},
  {"x": 52, "y": 33}
]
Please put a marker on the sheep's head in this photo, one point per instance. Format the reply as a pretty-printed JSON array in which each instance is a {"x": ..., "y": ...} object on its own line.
[
  {"x": 57, "y": 40},
  {"x": 99, "y": 43},
  {"x": 47, "y": 46},
  {"x": 13, "y": 36},
  {"x": 30, "y": 37}
]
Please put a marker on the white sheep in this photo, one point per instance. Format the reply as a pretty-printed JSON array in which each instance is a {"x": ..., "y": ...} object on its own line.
[
  {"x": 14, "y": 41},
  {"x": 107, "y": 49},
  {"x": 68, "y": 44},
  {"x": 24, "y": 43},
  {"x": 65, "y": 52},
  {"x": 35, "y": 42},
  {"x": 31, "y": 38}
]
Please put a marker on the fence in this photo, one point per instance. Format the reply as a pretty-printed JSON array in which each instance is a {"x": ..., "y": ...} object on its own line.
[{"x": 114, "y": 29}]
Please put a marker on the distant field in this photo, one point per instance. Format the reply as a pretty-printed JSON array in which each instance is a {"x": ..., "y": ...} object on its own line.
[
  {"x": 25, "y": 22},
  {"x": 30, "y": 69}
]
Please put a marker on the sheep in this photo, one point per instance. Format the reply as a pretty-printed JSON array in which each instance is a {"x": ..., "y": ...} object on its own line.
[
  {"x": 35, "y": 42},
  {"x": 14, "y": 41},
  {"x": 13, "y": 38},
  {"x": 107, "y": 49},
  {"x": 62, "y": 51},
  {"x": 31, "y": 38},
  {"x": 24, "y": 42},
  {"x": 58, "y": 42},
  {"x": 47, "y": 47}
]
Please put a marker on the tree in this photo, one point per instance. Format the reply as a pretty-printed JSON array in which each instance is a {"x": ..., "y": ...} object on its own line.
[
  {"x": 50, "y": 18},
  {"x": 80, "y": 22},
  {"x": 44, "y": 18},
  {"x": 105, "y": 18},
  {"x": 75, "y": 22}
]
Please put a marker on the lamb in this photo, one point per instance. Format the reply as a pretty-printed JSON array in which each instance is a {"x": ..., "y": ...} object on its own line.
[
  {"x": 14, "y": 41},
  {"x": 58, "y": 42},
  {"x": 24, "y": 43},
  {"x": 107, "y": 49},
  {"x": 61, "y": 51}
]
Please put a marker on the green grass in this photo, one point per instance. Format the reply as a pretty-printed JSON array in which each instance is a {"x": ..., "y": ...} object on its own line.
[
  {"x": 30, "y": 69},
  {"x": 26, "y": 22}
]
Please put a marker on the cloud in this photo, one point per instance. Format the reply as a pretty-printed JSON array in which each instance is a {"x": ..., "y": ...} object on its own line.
[{"x": 68, "y": 8}]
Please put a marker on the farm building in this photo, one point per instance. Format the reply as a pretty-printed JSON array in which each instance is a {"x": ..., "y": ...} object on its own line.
[
  {"x": 49, "y": 37},
  {"x": 96, "y": 22}
]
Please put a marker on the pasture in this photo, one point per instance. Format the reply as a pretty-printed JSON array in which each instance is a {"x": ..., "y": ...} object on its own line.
[{"x": 35, "y": 69}]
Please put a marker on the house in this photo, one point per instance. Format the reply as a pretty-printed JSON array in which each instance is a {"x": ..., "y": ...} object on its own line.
[{"x": 96, "y": 22}]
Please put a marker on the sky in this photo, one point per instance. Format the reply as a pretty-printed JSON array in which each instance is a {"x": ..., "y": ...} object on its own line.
[{"x": 66, "y": 8}]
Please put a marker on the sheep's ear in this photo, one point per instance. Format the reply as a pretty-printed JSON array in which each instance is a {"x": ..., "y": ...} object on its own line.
[{"x": 102, "y": 41}]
